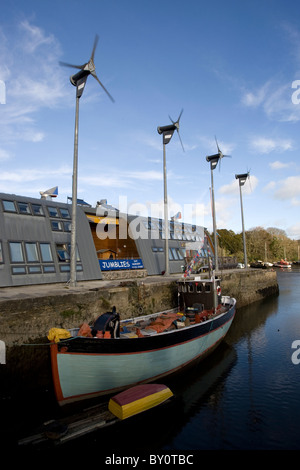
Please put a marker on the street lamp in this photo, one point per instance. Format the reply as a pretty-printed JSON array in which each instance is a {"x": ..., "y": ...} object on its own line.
[
  {"x": 242, "y": 180},
  {"x": 167, "y": 133},
  {"x": 213, "y": 160},
  {"x": 79, "y": 81}
]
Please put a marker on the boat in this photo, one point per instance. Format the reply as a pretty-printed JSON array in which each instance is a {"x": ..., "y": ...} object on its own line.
[
  {"x": 282, "y": 264},
  {"x": 112, "y": 354}
]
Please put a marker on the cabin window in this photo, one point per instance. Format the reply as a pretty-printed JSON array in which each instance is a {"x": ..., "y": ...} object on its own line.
[
  {"x": 207, "y": 288},
  {"x": 16, "y": 252},
  {"x": 37, "y": 209},
  {"x": 31, "y": 252},
  {"x": 23, "y": 208},
  {"x": 46, "y": 252},
  {"x": 199, "y": 288},
  {"x": 191, "y": 287},
  {"x": 9, "y": 206}
]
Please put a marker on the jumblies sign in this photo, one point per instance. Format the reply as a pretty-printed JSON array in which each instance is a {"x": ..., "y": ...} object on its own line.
[{"x": 117, "y": 264}]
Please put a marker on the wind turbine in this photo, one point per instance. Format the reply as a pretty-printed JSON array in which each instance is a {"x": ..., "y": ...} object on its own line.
[
  {"x": 242, "y": 180},
  {"x": 79, "y": 81},
  {"x": 214, "y": 160},
  {"x": 167, "y": 133}
]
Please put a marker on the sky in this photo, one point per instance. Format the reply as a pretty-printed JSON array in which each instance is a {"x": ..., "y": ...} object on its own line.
[{"x": 232, "y": 66}]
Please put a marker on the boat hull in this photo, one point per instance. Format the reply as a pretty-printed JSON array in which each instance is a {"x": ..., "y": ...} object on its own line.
[{"x": 84, "y": 368}]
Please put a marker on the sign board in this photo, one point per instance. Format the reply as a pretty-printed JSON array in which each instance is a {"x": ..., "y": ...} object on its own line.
[{"x": 117, "y": 264}]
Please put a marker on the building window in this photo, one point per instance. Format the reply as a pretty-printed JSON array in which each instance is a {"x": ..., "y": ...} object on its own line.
[
  {"x": 18, "y": 270},
  {"x": 46, "y": 252},
  {"x": 1, "y": 253},
  {"x": 23, "y": 208},
  {"x": 49, "y": 269},
  {"x": 67, "y": 226},
  {"x": 53, "y": 212},
  {"x": 31, "y": 252},
  {"x": 37, "y": 209},
  {"x": 63, "y": 252},
  {"x": 64, "y": 213},
  {"x": 56, "y": 225},
  {"x": 34, "y": 269},
  {"x": 16, "y": 252},
  {"x": 9, "y": 206}
]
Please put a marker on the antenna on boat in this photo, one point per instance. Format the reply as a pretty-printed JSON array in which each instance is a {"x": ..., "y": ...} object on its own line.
[
  {"x": 167, "y": 133},
  {"x": 242, "y": 180},
  {"x": 79, "y": 81}
]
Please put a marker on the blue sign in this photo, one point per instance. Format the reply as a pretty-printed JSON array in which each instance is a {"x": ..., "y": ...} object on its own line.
[{"x": 117, "y": 264}]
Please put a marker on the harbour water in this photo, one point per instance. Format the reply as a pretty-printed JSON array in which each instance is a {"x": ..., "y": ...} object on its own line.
[{"x": 245, "y": 396}]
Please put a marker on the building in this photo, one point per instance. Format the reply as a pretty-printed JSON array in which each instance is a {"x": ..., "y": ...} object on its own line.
[{"x": 35, "y": 237}]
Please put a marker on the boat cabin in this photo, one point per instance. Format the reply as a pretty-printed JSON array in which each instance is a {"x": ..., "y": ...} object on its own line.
[{"x": 198, "y": 294}]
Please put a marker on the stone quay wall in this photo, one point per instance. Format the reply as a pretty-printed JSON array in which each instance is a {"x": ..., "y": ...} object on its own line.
[{"x": 25, "y": 318}]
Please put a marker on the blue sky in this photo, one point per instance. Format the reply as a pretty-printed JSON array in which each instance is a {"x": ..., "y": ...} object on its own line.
[{"x": 229, "y": 64}]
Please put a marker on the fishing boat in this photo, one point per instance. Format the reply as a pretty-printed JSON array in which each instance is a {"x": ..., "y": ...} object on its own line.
[
  {"x": 282, "y": 264},
  {"x": 112, "y": 354}
]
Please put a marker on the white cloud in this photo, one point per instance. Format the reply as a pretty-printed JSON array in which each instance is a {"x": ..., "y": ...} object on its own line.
[
  {"x": 277, "y": 165},
  {"x": 254, "y": 99},
  {"x": 289, "y": 188},
  {"x": 4, "y": 155},
  {"x": 233, "y": 187},
  {"x": 267, "y": 145}
]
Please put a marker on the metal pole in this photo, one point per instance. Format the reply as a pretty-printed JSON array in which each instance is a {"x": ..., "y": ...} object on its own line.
[
  {"x": 74, "y": 200},
  {"x": 214, "y": 220},
  {"x": 244, "y": 237},
  {"x": 166, "y": 214}
]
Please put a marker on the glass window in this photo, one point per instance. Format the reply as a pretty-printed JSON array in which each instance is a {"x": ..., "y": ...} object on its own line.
[
  {"x": 67, "y": 226},
  {"x": 18, "y": 270},
  {"x": 23, "y": 207},
  {"x": 65, "y": 268},
  {"x": 9, "y": 206},
  {"x": 46, "y": 252},
  {"x": 65, "y": 213},
  {"x": 16, "y": 252},
  {"x": 56, "y": 225},
  {"x": 34, "y": 269},
  {"x": 49, "y": 269},
  {"x": 62, "y": 252},
  {"x": 53, "y": 212},
  {"x": 37, "y": 209},
  {"x": 175, "y": 253},
  {"x": 31, "y": 252},
  {"x": 1, "y": 253}
]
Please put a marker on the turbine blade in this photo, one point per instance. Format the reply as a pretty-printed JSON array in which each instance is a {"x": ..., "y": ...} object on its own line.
[
  {"x": 217, "y": 144},
  {"x": 64, "y": 64},
  {"x": 95, "y": 76},
  {"x": 180, "y": 140},
  {"x": 180, "y": 115},
  {"x": 94, "y": 47}
]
